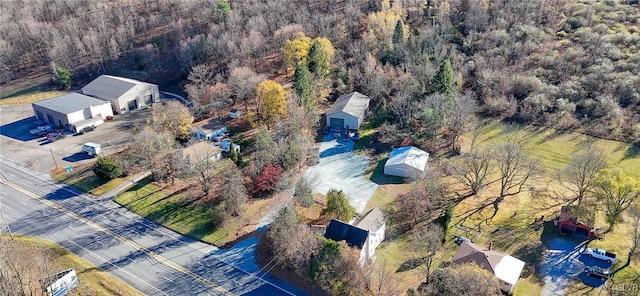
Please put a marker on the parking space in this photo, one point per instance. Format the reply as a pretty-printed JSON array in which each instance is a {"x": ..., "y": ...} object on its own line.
[
  {"x": 37, "y": 153},
  {"x": 339, "y": 168}
]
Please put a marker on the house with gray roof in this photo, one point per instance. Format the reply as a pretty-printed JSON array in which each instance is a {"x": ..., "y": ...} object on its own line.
[
  {"x": 208, "y": 129},
  {"x": 72, "y": 110},
  {"x": 365, "y": 234},
  {"x": 506, "y": 268},
  {"x": 348, "y": 111},
  {"x": 125, "y": 94}
]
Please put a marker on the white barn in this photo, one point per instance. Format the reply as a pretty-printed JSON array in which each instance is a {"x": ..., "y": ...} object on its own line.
[
  {"x": 72, "y": 110},
  {"x": 406, "y": 162},
  {"x": 124, "y": 94},
  {"x": 348, "y": 111}
]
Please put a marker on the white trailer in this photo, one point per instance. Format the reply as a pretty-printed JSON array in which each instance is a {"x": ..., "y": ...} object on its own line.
[{"x": 92, "y": 149}]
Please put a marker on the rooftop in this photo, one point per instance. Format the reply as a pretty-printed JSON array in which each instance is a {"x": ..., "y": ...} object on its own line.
[
  {"x": 69, "y": 103},
  {"x": 352, "y": 235},
  {"x": 410, "y": 155},
  {"x": 210, "y": 125},
  {"x": 353, "y": 103},
  {"x": 111, "y": 87},
  {"x": 372, "y": 221}
]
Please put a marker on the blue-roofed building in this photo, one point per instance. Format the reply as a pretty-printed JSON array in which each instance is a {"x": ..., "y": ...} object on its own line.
[
  {"x": 406, "y": 162},
  {"x": 72, "y": 110},
  {"x": 366, "y": 234}
]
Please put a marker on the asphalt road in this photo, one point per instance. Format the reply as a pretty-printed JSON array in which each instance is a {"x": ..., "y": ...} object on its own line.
[{"x": 149, "y": 257}]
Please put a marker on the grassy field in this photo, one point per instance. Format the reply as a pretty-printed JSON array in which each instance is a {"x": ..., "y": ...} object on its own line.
[
  {"x": 85, "y": 180},
  {"x": 178, "y": 211},
  {"x": 515, "y": 234},
  {"x": 92, "y": 281},
  {"x": 25, "y": 98}
]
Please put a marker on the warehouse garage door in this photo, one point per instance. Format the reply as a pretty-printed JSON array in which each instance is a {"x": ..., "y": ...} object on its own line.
[
  {"x": 133, "y": 105},
  {"x": 336, "y": 122}
]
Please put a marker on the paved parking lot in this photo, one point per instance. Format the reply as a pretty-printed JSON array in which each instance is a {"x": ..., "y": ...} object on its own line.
[{"x": 17, "y": 144}]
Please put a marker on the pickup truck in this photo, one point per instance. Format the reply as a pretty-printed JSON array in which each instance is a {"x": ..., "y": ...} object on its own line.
[
  {"x": 41, "y": 130},
  {"x": 600, "y": 254},
  {"x": 52, "y": 137}
]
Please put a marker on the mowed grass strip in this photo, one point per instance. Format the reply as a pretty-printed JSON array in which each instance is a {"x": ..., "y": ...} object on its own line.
[
  {"x": 85, "y": 180},
  {"x": 183, "y": 214},
  {"x": 29, "y": 98},
  {"x": 92, "y": 281}
]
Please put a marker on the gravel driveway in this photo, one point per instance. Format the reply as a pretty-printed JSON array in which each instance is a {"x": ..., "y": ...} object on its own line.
[{"x": 340, "y": 168}]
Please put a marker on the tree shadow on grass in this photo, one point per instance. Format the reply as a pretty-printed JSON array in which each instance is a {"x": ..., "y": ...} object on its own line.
[
  {"x": 411, "y": 264},
  {"x": 633, "y": 151}
]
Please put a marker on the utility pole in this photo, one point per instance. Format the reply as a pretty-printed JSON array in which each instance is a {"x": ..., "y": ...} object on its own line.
[
  {"x": 54, "y": 158},
  {"x": 4, "y": 219}
]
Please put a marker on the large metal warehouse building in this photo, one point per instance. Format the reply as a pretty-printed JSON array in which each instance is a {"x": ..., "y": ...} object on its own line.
[
  {"x": 72, "y": 110},
  {"x": 124, "y": 94},
  {"x": 348, "y": 111}
]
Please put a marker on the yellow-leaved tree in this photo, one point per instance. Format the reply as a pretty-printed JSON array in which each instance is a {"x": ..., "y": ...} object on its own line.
[
  {"x": 272, "y": 100},
  {"x": 296, "y": 50},
  {"x": 172, "y": 117},
  {"x": 381, "y": 25}
]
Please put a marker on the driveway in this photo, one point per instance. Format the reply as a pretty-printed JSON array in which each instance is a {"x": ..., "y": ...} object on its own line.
[
  {"x": 563, "y": 262},
  {"x": 339, "y": 168},
  {"x": 17, "y": 144}
]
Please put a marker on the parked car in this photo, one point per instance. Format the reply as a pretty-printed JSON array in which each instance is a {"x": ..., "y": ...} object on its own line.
[
  {"x": 459, "y": 240},
  {"x": 52, "y": 137},
  {"x": 87, "y": 129},
  {"x": 219, "y": 137},
  {"x": 600, "y": 254},
  {"x": 42, "y": 130},
  {"x": 326, "y": 130},
  {"x": 602, "y": 273},
  {"x": 92, "y": 149}
]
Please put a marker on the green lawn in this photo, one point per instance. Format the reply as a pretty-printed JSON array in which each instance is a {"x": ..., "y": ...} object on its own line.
[
  {"x": 29, "y": 96},
  {"x": 92, "y": 281},
  {"x": 366, "y": 133},
  {"x": 86, "y": 181},
  {"x": 177, "y": 211}
]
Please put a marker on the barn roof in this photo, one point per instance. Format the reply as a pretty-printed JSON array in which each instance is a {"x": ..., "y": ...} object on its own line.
[
  {"x": 107, "y": 86},
  {"x": 353, "y": 103},
  {"x": 408, "y": 155},
  {"x": 69, "y": 103},
  {"x": 352, "y": 235}
]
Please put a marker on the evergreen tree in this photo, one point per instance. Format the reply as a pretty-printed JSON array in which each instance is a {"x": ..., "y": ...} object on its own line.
[
  {"x": 445, "y": 79},
  {"x": 62, "y": 77},
  {"x": 448, "y": 215},
  {"x": 224, "y": 8},
  {"x": 381, "y": 113},
  {"x": 398, "y": 33},
  {"x": 302, "y": 84},
  {"x": 338, "y": 206},
  {"x": 318, "y": 59}
]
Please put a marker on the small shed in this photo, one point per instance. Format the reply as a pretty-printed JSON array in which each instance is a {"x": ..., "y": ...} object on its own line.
[
  {"x": 406, "y": 162},
  {"x": 226, "y": 146},
  {"x": 568, "y": 222},
  {"x": 234, "y": 113},
  {"x": 348, "y": 111},
  {"x": 208, "y": 129}
]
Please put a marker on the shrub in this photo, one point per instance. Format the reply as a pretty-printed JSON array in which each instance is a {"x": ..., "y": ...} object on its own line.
[
  {"x": 106, "y": 168},
  {"x": 338, "y": 206}
]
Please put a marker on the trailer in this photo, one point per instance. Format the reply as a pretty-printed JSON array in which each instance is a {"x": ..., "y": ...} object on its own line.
[{"x": 92, "y": 149}]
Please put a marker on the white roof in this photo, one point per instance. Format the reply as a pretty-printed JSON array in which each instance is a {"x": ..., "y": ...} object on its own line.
[
  {"x": 408, "y": 155},
  {"x": 91, "y": 144},
  {"x": 111, "y": 87},
  {"x": 69, "y": 103},
  {"x": 509, "y": 269},
  {"x": 353, "y": 103}
]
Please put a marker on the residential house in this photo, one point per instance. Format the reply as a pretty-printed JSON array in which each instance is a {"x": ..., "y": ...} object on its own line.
[
  {"x": 406, "y": 162},
  {"x": 125, "y": 94},
  {"x": 209, "y": 129},
  {"x": 366, "y": 234},
  {"x": 505, "y": 267},
  {"x": 348, "y": 111},
  {"x": 200, "y": 152}
]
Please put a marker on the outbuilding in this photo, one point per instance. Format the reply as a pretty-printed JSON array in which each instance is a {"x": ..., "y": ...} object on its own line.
[
  {"x": 406, "y": 162},
  {"x": 72, "y": 110},
  {"x": 348, "y": 111},
  {"x": 125, "y": 94}
]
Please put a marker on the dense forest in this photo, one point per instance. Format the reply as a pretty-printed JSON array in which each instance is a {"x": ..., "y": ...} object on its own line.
[{"x": 564, "y": 64}]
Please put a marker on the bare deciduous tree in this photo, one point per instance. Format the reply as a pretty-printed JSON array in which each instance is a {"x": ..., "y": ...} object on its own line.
[
  {"x": 232, "y": 189},
  {"x": 460, "y": 117},
  {"x": 467, "y": 279},
  {"x": 243, "y": 82},
  {"x": 428, "y": 244},
  {"x": 473, "y": 170},
  {"x": 578, "y": 176}
]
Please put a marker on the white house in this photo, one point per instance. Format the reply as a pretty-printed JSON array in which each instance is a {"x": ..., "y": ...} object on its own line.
[
  {"x": 506, "y": 268},
  {"x": 348, "y": 111},
  {"x": 406, "y": 162},
  {"x": 365, "y": 234},
  {"x": 125, "y": 94},
  {"x": 72, "y": 110},
  {"x": 208, "y": 129}
]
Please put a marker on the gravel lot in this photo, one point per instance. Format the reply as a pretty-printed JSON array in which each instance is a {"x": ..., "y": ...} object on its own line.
[
  {"x": 17, "y": 144},
  {"x": 340, "y": 168}
]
